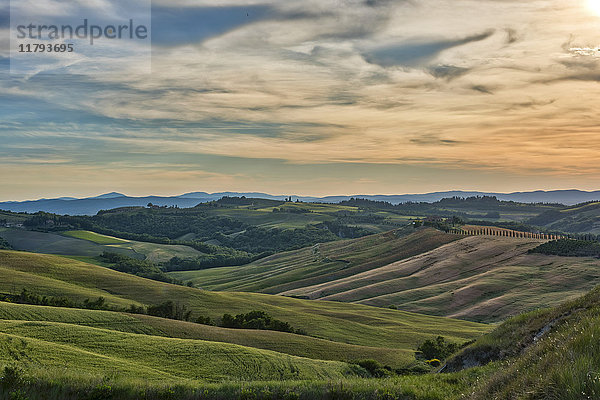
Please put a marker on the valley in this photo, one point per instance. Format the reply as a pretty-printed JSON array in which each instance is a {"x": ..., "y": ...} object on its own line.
[{"x": 365, "y": 286}]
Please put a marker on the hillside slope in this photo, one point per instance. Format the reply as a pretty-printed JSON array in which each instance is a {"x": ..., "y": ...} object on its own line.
[
  {"x": 97, "y": 350},
  {"x": 89, "y": 244},
  {"x": 580, "y": 219},
  {"x": 345, "y": 323},
  {"x": 547, "y": 354},
  {"x": 479, "y": 278},
  {"x": 287, "y": 343},
  {"x": 320, "y": 263}
]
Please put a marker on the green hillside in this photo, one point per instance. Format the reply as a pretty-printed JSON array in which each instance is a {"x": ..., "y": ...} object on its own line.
[
  {"x": 334, "y": 321},
  {"x": 94, "y": 237},
  {"x": 297, "y": 345},
  {"x": 320, "y": 263},
  {"x": 91, "y": 244},
  {"x": 160, "y": 358},
  {"x": 481, "y": 278},
  {"x": 578, "y": 219},
  {"x": 547, "y": 354}
]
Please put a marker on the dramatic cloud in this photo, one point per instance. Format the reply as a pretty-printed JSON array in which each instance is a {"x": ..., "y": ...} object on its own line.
[{"x": 317, "y": 96}]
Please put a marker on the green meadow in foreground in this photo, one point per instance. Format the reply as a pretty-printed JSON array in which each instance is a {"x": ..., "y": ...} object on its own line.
[
  {"x": 547, "y": 354},
  {"x": 347, "y": 324},
  {"x": 297, "y": 345},
  {"x": 58, "y": 353},
  {"x": 50, "y": 385},
  {"x": 95, "y": 351}
]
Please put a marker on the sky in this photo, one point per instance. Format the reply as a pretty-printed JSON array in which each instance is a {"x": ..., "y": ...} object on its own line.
[{"x": 315, "y": 97}]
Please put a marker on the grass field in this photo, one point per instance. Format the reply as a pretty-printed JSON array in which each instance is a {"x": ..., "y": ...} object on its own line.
[
  {"x": 321, "y": 263},
  {"x": 265, "y": 217},
  {"x": 344, "y": 323},
  {"x": 298, "y": 215},
  {"x": 50, "y": 243},
  {"x": 297, "y": 345},
  {"x": 477, "y": 278},
  {"x": 91, "y": 244},
  {"x": 584, "y": 218},
  {"x": 551, "y": 353},
  {"x": 42, "y": 384},
  {"x": 546, "y": 354},
  {"x": 94, "y": 237},
  {"x": 93, "y": 350},
  {"x": 13, "y": 218}
]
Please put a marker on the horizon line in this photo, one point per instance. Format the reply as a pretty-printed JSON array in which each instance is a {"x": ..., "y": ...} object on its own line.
[{"x": 68, "y": 198}]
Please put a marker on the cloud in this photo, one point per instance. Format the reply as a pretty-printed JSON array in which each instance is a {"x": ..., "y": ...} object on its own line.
[
  {"x": 327, "y": 88},
  {"x": 448, "y": 72},
  {"x": 482, "y": 89},
  {"x": 416, "y": 52},
  {"x": 512, "y": 36},
  {"x": 433, "y": 139},
  {"x": 184, "y": 25}
]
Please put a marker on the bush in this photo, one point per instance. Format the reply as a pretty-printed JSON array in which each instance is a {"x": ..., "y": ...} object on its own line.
[
  {"x": 418, "y": 369},
  {"x": 11, "y": 377},
  {"x": 437, "y": 349},
  {"x": 98, "y": 304},
  {"x": 204, "y": 320},
  {"x": 257, "y": 320},
  {"x": 4, "y": 245},
  {"x": 375, "y": 368},
  {"x": 18, "y": 395},
  {"x": 569, "y": 248},
  {"x": 101, "y": 392},
  {"x": 170, "y": 310}
]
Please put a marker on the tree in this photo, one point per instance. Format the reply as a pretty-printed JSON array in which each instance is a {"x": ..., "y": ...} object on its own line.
[{"x": 437, "y": 349}]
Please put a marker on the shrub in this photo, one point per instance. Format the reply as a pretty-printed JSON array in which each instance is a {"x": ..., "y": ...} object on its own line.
[
  {"x": 18, "y": 395},
  {"x": 418, "y": 369},
  {"x": 170, "y": 310},
  {"x": 437, "y": 348},
  {"x": 11, "y": 376},
  {"x": 370, "y": 365},
  {"x": 204, "y": 320},
  {"x": 375, "y": 368},
  {"x": 257, "y": 320},
  {"x": 101, "y": 392}
]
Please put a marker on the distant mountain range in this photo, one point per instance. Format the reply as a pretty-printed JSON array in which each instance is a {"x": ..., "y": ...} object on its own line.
[{"x": 91, "y": 205}]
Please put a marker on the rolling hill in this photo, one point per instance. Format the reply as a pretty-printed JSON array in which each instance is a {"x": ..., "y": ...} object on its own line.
[
  {"x": 95, "y": 350},
  {"x": 580, "y": 219},
  {"x": 333, "y": 321},
  {"x": 281, "y": 342},
  {"x": 320, "y": 263},
  {"x": 91, "y": 244},
  {"x": 480, "y": 278}
]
